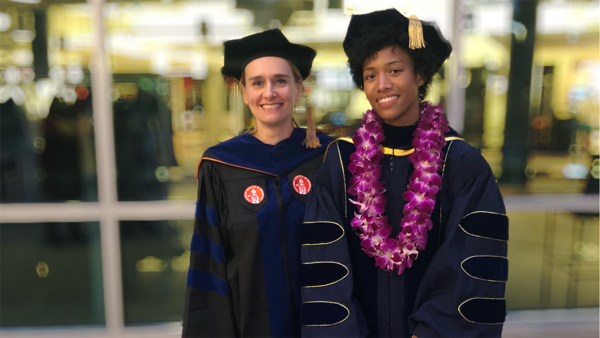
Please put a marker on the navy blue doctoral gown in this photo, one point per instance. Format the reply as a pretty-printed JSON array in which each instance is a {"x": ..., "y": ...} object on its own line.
[
  {"x": 245, "y": 251},
  {"x": 455, "y": 287}
]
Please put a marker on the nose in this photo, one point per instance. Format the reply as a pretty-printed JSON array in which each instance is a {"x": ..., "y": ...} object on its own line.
[
  {"x": 384, "y": 82},
  {"x": 269, "y": 91}
]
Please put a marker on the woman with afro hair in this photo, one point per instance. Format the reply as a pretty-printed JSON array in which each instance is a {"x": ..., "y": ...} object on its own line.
[{"x": 405, "y": 233}]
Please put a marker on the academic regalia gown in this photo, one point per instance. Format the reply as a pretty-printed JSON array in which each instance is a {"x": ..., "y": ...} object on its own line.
[
  {"x": 455, "y": 287},
  {"x": 245, "y": 250}
]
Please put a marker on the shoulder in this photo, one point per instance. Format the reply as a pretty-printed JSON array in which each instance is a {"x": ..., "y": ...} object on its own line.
[
  {"x": 465, "y": 161},
  {"x": 240, "y": 141},
  {"x": 339, "y": 148},
  {"x": 215, "y": 154},
  {"x": 238, "y": 151},
  {"x": 462, "y": 153},
  {"x": 207, "y": 163}
]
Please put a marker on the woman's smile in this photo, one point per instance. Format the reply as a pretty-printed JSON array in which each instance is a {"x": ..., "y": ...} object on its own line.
[
  {"x": 387, "y": 101},
  {"x": 271, "y": 105}
]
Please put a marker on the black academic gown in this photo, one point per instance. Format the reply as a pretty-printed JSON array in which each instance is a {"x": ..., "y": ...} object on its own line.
[
  {"x": 455, "y": 287},
  {"x": 245, "y": 253}
]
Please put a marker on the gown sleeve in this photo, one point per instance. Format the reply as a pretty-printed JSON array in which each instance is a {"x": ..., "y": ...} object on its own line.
[
  {"x": 208, "y": 306},
  {"x": 328, "y": 308},
  {"x": 462, "y": 292}
]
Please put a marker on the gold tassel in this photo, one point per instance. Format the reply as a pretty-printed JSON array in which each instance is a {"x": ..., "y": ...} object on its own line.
[
  {"x": 415, "y": 33},
  {"x": 311, "y": 141}
]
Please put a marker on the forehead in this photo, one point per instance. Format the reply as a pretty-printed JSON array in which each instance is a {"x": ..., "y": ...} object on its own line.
[
  {"x": 267, "y": 66},
  {"x": 388, "y": 54}
]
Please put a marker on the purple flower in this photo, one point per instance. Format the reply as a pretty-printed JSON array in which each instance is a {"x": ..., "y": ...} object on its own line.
[
  {"x": 421, "y": 241},
  {"x": 372, "y": 127},
  {"x": 384, "y": 263},
  {"x": 412, "y": 198},
  {"x": 412, "y": 215}
]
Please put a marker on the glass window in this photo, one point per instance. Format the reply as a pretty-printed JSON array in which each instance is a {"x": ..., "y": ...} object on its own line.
[
  {"x": 558, "y": 124},
  {"x": 155, "y": 259},
  {"x": 46, "y": 129},
  {"x": 143, "y": 137},
  {"x": 170, "y": 102},
  {"x": 553, "y": 261},
  {"x": 51, "y": 274}
]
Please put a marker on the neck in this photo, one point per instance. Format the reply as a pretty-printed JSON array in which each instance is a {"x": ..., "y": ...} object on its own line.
[
  {"x": 407, "y": 118},
  {"x": 272, "y": 135}
]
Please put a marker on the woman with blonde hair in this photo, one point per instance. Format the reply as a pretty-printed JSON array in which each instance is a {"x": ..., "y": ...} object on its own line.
[{"x": 244, "y": 277}]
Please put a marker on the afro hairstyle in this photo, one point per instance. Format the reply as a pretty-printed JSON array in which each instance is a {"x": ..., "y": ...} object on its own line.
[{"x": 374, "y": 39}]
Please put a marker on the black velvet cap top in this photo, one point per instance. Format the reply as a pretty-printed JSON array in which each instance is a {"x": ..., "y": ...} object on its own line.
[
  {"x": 434, "y": 40},
  {"x": 239, "y": 53}
]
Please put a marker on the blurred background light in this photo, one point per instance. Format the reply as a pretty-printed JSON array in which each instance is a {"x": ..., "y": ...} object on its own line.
[
  {"x": 162, "y": 174},
  {"x": 5, "y": 22},
  {"x": 4, "y": 93},
  {"x": 21, "y": 36},
  {"x": 17, "y": 94},
  {"x": 74, "y": 74},
  {"x": 69, "y": 95},
  {"x": 27, "y": 74},
  {"x": 339, "y": 118},
  {"x": 58, "y": 74},
  {"x": 22, "y": 57},
  {"x": 12, "y": 75},
  {"x": 574, "y": 170},
  {"x": 42, "y": 269},
  {"x": 151, "y": 264},
  {"x": 26, "y": 1}
]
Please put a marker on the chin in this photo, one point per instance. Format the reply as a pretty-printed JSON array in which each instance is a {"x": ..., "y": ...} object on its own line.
[
  {"x": 274, "y": 122},
  {"x": 389, "y": 113}
]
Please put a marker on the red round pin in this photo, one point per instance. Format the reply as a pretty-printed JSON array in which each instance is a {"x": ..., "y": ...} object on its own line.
[
  {"x": 301, "y": 184},
  {"x": 254, "y": 194}
]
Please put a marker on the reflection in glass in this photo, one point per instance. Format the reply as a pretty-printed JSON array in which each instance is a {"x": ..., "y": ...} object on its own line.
[
  {"x": 155, "y": 259},
  {"x": 19, "y": 162},
  {"x": 553, "y": 261},
  {"x": 51, "y": 274},
  {"x": 143, "y": 138},
  {"x": 46, "y": 126},
  {"x": 68, "y": 159}
]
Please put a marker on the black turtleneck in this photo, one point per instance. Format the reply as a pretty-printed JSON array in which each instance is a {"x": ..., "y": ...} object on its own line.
[{"x": 398, "y": 137}]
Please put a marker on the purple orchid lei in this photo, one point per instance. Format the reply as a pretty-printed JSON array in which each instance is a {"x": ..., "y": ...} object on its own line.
[{"x": 371, "y": 226}]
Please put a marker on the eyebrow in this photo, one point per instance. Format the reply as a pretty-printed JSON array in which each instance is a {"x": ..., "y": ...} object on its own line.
[
  {"x": 260, "y": 77},
  {"x": 387, "y": 64}
]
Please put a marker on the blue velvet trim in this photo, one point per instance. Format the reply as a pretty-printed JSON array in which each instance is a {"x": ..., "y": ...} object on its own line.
[
  {"x": 203, "y": 244},
  {"x": 487, "y": 268},
  {"x": 273, "y": 269},
  {"x": 321, "y": 274},
  {"x": 247, "y": 151},
  {"x": 294, "y": 214},
  {"x": 484, "y": 311},
  {"x": 206, "y": 213},
  {"x": 203, "y": 280},
  {"x": 322, "y": 314},
  {"x": 483, "y": 224},
  {"x": 320, "y": 233}
]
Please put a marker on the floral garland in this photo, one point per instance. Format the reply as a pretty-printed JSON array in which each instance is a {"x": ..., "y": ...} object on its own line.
[{"x": 371, "y": 226}]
